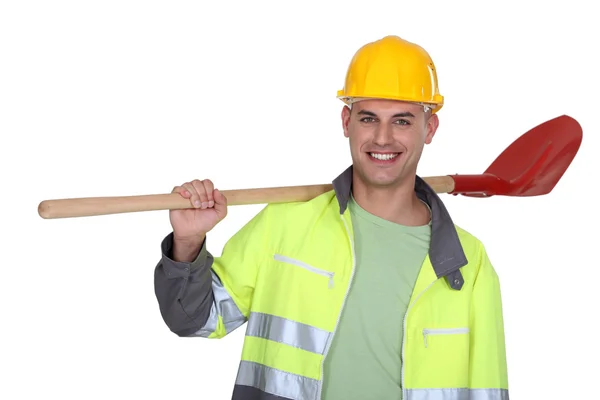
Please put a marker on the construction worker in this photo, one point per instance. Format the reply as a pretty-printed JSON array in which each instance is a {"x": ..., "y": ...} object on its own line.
[{"x": 369, "y": 291}]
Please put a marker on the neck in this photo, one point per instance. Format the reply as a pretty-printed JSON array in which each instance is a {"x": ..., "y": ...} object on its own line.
[{"x": 405, "y": 209}]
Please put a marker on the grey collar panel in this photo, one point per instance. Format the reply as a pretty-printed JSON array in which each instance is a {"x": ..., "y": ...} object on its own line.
[{"x": 446, "y": 253}]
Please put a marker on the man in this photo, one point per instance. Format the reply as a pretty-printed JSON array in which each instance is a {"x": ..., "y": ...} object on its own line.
[{"x": 369, "y": 291}]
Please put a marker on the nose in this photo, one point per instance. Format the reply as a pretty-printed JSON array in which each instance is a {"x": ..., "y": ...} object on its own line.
[{"x": 383, "y": 135}]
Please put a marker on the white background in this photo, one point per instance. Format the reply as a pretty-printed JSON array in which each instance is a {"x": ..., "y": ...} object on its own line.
[{"x": 133, "y": 97}]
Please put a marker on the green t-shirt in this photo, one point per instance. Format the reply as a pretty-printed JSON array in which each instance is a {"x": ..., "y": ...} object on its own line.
[{"x": 364, "y": 361}]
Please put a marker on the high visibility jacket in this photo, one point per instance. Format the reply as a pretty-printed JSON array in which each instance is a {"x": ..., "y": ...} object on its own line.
[{"x": 287, "y": 272}]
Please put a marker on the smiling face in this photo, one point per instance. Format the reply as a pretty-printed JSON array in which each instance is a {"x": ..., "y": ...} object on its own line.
[{"x": 387, "y": 139}]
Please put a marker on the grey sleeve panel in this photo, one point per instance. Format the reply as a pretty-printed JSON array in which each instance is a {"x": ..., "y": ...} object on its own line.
[{"x": 183, "y": 290}]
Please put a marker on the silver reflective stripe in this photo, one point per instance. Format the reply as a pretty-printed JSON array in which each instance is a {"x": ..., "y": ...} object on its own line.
[
  {"x": 457, "y": 394},
  {"x": 224, "y": 306},
  {"x": 288, "y": 332},
  {"x": 276, "y": 382}
]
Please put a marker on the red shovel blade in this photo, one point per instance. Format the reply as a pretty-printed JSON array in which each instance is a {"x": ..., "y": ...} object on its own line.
[{"x": 531, "y": 166}]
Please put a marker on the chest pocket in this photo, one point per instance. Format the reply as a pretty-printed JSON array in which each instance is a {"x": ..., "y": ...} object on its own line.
[
  {"x": 295, "y": 263},
  {"x": 438, "y": 356},
  {"x": 443, "y": 331}
]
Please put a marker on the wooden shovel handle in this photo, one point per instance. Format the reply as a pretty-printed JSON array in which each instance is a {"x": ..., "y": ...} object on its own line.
[{"x": 92, "y": 206}]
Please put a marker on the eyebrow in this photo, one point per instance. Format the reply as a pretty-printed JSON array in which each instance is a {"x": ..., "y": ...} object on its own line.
[{"x": 399, "y": 115}]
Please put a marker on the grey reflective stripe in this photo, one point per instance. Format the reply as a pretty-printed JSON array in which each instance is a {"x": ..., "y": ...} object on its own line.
[
  {"x": 276, "y": 382},
  {"x": 224, "y": 306},
  {"x": 288, "y": 332},
  {"x": 457, "y": 394}
]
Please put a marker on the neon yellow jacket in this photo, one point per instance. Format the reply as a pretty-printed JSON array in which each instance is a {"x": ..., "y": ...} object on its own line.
[{"x": 286, "y": 274}]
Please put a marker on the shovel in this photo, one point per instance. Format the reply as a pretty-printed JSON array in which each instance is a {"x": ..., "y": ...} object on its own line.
[{"x": 531, "y": 166}]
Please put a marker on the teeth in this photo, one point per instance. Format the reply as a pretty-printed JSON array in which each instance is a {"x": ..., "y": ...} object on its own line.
[{"x": 383, "y": 157}]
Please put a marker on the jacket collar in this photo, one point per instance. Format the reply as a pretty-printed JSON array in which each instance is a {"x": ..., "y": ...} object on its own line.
[{"x": 445, "y": 252}]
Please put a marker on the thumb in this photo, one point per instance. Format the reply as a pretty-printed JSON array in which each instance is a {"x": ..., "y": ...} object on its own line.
[{"x": 220, "y": 203}]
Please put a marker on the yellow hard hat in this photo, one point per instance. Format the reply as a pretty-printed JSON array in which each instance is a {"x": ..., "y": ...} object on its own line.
[{"x": 392, "y": 68}]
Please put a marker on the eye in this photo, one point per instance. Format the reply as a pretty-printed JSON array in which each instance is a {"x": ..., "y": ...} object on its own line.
[
  {"x": 367, "y": 119},
  {"x": 402, "y": 122}
]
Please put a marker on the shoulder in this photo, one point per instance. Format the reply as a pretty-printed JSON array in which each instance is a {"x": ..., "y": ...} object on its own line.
[
  {"x": 475, "y": 251},
  {"x": 473, "y": 246},
  {"x": 302, "y": 209},
  {"x": 467, "y": 238},
  {"x": 292, "y": 220}
]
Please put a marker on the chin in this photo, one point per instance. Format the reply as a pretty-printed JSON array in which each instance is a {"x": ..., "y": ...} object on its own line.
[
  {"x": 381, "y": 171},
  {"x": 383, "y": 182},
  {"x": 380, "y": 178}
]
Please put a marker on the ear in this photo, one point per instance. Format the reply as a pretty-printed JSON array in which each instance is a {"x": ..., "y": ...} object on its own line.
[
  {"x": 346, "y": 120},
  {"x": 431, "y": 127}
]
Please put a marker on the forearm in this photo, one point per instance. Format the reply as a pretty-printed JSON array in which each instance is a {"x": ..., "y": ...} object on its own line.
[{"x": 183, "y": 286}]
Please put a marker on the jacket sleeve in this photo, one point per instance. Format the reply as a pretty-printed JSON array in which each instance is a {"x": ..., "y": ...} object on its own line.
[
  {"x": 211, "y": 296},
  {"x": 488, "y": 366}
]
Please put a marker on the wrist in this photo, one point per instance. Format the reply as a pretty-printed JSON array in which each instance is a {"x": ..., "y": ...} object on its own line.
[
  {"x": 186, "y": 249},
  {"x": 189, "y": 240}
]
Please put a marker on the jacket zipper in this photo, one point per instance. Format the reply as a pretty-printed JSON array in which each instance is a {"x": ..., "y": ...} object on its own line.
[
  {"x": 320, "y": 393},
  {"x": 307, "y": 267},
  {"x": 443, "y": 331},
  {"x": 404, "y": 392}
]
